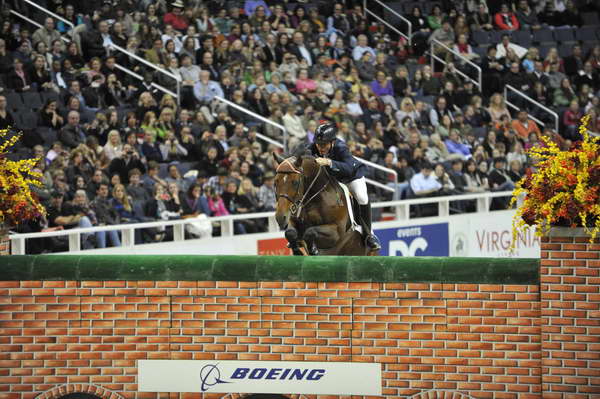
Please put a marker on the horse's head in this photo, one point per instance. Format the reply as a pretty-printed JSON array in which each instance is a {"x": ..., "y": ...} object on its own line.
[{"x": 290, "y": 185}]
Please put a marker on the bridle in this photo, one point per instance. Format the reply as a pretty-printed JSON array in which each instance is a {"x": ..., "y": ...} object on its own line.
[{"x": 296, "y": 208}]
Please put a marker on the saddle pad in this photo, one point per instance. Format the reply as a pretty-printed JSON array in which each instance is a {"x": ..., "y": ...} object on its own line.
[{"x": 353, "y": 225}]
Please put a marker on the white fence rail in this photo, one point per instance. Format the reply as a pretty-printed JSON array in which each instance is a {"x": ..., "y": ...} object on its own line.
[
  {"x": 407, "y": 36},
  {"x": 260, "y": 118},
  {"x": 50, "y": 13},
  {"x": 435, "y": 43},
  {"x": 401, "y": 210},
  {"x": 35, "y": 23},
  {"x": 151, "y": 65},
  {"x": 515, "y": 91}
]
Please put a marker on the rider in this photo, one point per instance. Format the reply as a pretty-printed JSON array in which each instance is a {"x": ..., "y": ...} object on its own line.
[{"x": 334, "y": 154}]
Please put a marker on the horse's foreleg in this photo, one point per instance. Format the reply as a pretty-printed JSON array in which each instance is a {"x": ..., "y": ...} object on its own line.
[
  {"x": 291, "y": 235},
  {"x": 324, "y": 236}
]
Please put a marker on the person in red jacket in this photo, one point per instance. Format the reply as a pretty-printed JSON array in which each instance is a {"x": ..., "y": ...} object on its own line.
[
  {"x": 506, "y": 19},
  {"x": 176, "y": 18}
]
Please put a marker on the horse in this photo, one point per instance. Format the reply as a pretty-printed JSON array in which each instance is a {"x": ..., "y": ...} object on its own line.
[{"x": 313, "y": 210}]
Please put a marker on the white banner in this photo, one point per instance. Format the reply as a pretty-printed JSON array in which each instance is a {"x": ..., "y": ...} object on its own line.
[
  {"x": 491, "y": 237},
  {"x": 318, "y": 378}
]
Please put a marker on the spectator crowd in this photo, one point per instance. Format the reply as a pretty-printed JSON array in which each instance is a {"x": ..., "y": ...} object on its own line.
[{"x": 117, "y": 148}]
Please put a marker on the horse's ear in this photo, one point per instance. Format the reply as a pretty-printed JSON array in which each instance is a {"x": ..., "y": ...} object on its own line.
[{"x": 278, "y": 158}]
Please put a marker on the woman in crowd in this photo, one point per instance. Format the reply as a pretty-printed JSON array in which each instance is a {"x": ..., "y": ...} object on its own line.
[
  {"x": 498, "y": 108},
  {"x": 49, "y": 116}
]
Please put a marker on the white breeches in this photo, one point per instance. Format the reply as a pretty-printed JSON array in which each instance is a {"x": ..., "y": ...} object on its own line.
[{"x": 358, "y": 188}]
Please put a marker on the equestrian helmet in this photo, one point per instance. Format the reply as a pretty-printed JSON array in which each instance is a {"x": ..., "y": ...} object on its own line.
[{"x": 325, "y": 133}]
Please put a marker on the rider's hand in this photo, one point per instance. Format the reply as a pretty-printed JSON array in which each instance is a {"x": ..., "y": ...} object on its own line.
[{"x": 323, "y": 161}]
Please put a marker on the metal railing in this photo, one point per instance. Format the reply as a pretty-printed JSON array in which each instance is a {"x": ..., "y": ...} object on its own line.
[
  {"x": 383, "y": 169},
  {"x": 407, "y": 36},
  {"x": 532, "y": 101},
  {"x": 35, "y": 23},
  {"x": 435, "y": 42},
  {"x": 151, "y": 65},
  {"x": 50, "y": 13},
  {"x": 401, "y": 211},
  {"x": 260, "y": 118},
  {"x": 139, "y": 77}
]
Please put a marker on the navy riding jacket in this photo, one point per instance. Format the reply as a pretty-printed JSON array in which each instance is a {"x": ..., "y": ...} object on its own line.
[{"x": 344, "y": 167}]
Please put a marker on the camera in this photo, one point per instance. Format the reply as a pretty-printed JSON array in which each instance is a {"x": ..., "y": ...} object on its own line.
[{"x": 130, "y": 152}]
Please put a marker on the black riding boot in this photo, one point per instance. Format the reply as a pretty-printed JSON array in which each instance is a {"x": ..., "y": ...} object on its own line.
[{"x": 365, "y": 217}]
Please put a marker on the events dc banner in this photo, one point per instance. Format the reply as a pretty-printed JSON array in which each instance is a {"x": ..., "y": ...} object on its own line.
[
  {"x": 419, "y": 240},
  {"x": 231, "y": 376}
]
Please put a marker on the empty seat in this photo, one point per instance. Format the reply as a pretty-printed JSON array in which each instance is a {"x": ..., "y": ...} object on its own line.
[
  {"x": 26, "y": 120},
  {"x": 522, "y": 38},
  {"x": 48, "y": 136},
  {"x": 14, "y": 101},
  {"x": 565, "y": 50},
  {"x": 590, "y": 18},
  {"x": 543, "y": 36},
  {"x": 405, "y": 8},
  {"x": 544, "y": 50},
  {"x": 587, "y": 33},
  {"x": 496, "y": 36},
  {"x": 425, "y": 99},
  {"x": 163, "y": 170},
  {"x": 481, "y": 37},
  {"x": 32, "y": 100},
  {"x": 564, "y": 35}
]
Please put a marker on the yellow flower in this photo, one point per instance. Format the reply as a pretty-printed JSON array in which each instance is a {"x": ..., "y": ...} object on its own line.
[
  {"x": 17, "y": 203},
  {"x": 563, "y": 186}
]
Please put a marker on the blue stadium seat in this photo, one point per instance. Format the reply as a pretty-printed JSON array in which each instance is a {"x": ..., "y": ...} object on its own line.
[
  {"x": 27, "y": 120},
  {"x": 522, "y": 38},
  {"x": 480, "y": 50},
  {"x": 496, "y": 36},
  {"x": 425, "y": 99},
  {"x": 481, "y": 37},
  {"x": 49, "y": 136},
  {"x": 544, "y": 50},
  {"x": 565, "y": 50},
  {"x": 587, "y": 33},
  {"x": 590, "y": 18},
  {"x": 543, "y": 36},
  {"x": 14, "y": 101},
  {"x": 564, "y": 35},
  {"x": 32, "y": 99}
]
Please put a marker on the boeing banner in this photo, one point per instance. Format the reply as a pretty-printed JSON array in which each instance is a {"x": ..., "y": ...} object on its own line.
[
  {"x": 417, "y": 240},
  {"x": 232, "y": 376}
]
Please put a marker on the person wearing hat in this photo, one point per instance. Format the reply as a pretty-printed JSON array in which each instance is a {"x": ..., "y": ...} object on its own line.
[
  {"x": 267, "y": 196},
  {"x": 334, "y": 154},
  {"x": 175, "y": 18}
]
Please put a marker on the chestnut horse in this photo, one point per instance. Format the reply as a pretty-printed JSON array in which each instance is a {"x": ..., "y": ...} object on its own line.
[{"x": 312, "y": 209}]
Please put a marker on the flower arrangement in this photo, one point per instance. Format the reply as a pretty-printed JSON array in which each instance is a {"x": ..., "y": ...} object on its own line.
[
  {"x": 564, "y": 188},
  {"x": 17, "y": 203}
]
